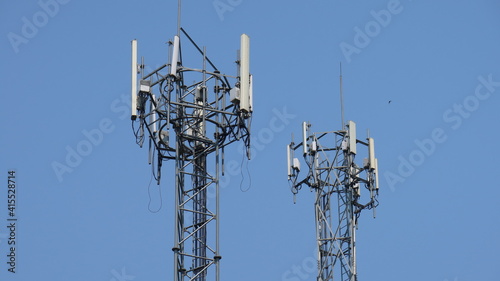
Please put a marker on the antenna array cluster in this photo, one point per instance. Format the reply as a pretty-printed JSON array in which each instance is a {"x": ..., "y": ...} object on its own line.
[
  {"x": 331, "y": 171},
  {"x": 191, "y": 124}
]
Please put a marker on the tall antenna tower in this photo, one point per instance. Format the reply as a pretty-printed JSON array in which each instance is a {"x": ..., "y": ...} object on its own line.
[
  {"x": 189, "y": 115},
  {"x": 333, "y": 172}
]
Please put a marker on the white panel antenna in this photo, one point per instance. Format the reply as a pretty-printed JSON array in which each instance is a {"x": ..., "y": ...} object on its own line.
[
  {"x": 289, "y": 165},
  {"x": 376, "y": 173},
  {"x": 304, "y": 137},
  {"x": 134, "y": 80},
  {"x": 245, "y": 73},
  {"x": 175, "y": 57},
  {"x": 251, "y": 93},
  {"x": 352, "y": 136},
  {"x": 371, "y": 153}
]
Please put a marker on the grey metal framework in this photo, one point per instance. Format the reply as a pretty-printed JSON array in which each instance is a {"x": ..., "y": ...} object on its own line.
[
  {"x": 331, "y": 170},
  {"x": 189, "y": 115}
]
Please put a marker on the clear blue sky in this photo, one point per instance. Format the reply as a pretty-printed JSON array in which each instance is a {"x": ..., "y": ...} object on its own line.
[{"x": 65, "y": 74}]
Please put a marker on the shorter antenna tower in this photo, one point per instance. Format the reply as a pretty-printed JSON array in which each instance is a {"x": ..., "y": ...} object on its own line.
[{"x": 340, "y": 186}]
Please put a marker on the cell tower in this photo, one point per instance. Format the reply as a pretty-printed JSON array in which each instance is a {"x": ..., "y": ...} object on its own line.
[
  {"x": 190, "y": 115},
  {"x": 332, "y": 171}
]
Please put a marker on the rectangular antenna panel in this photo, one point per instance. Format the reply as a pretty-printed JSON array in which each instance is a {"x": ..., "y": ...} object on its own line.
[
  {"x": 352, "y": 136},
  {"x": 245, "y": 73},
  {"x": 134, "y": 80},
  {"x": 304, "y": 137},
  {"x": 289, "y": 165},
  {"x": 371, "y": 153},
  {"x": 376, "y": 173},
  {"x": 251, "y": 93},
  {"x": 175, "y": 57}
]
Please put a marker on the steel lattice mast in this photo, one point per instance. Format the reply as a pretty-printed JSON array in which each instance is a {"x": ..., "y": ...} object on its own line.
[
  {"x": 191, "y": 123},
  {"x": 332, "y": 172}
]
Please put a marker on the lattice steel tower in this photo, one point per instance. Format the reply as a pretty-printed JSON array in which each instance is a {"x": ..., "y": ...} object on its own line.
[
  {"x": 189, "y": 115},
  {"x": 332, "y": 172}
]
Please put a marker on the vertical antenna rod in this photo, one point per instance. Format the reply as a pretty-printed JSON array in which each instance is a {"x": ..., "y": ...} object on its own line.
[
  {"x": 179, "y": 18},
  {"x": 341, "y": 99},
  {"x": 134, "y": 80}
]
